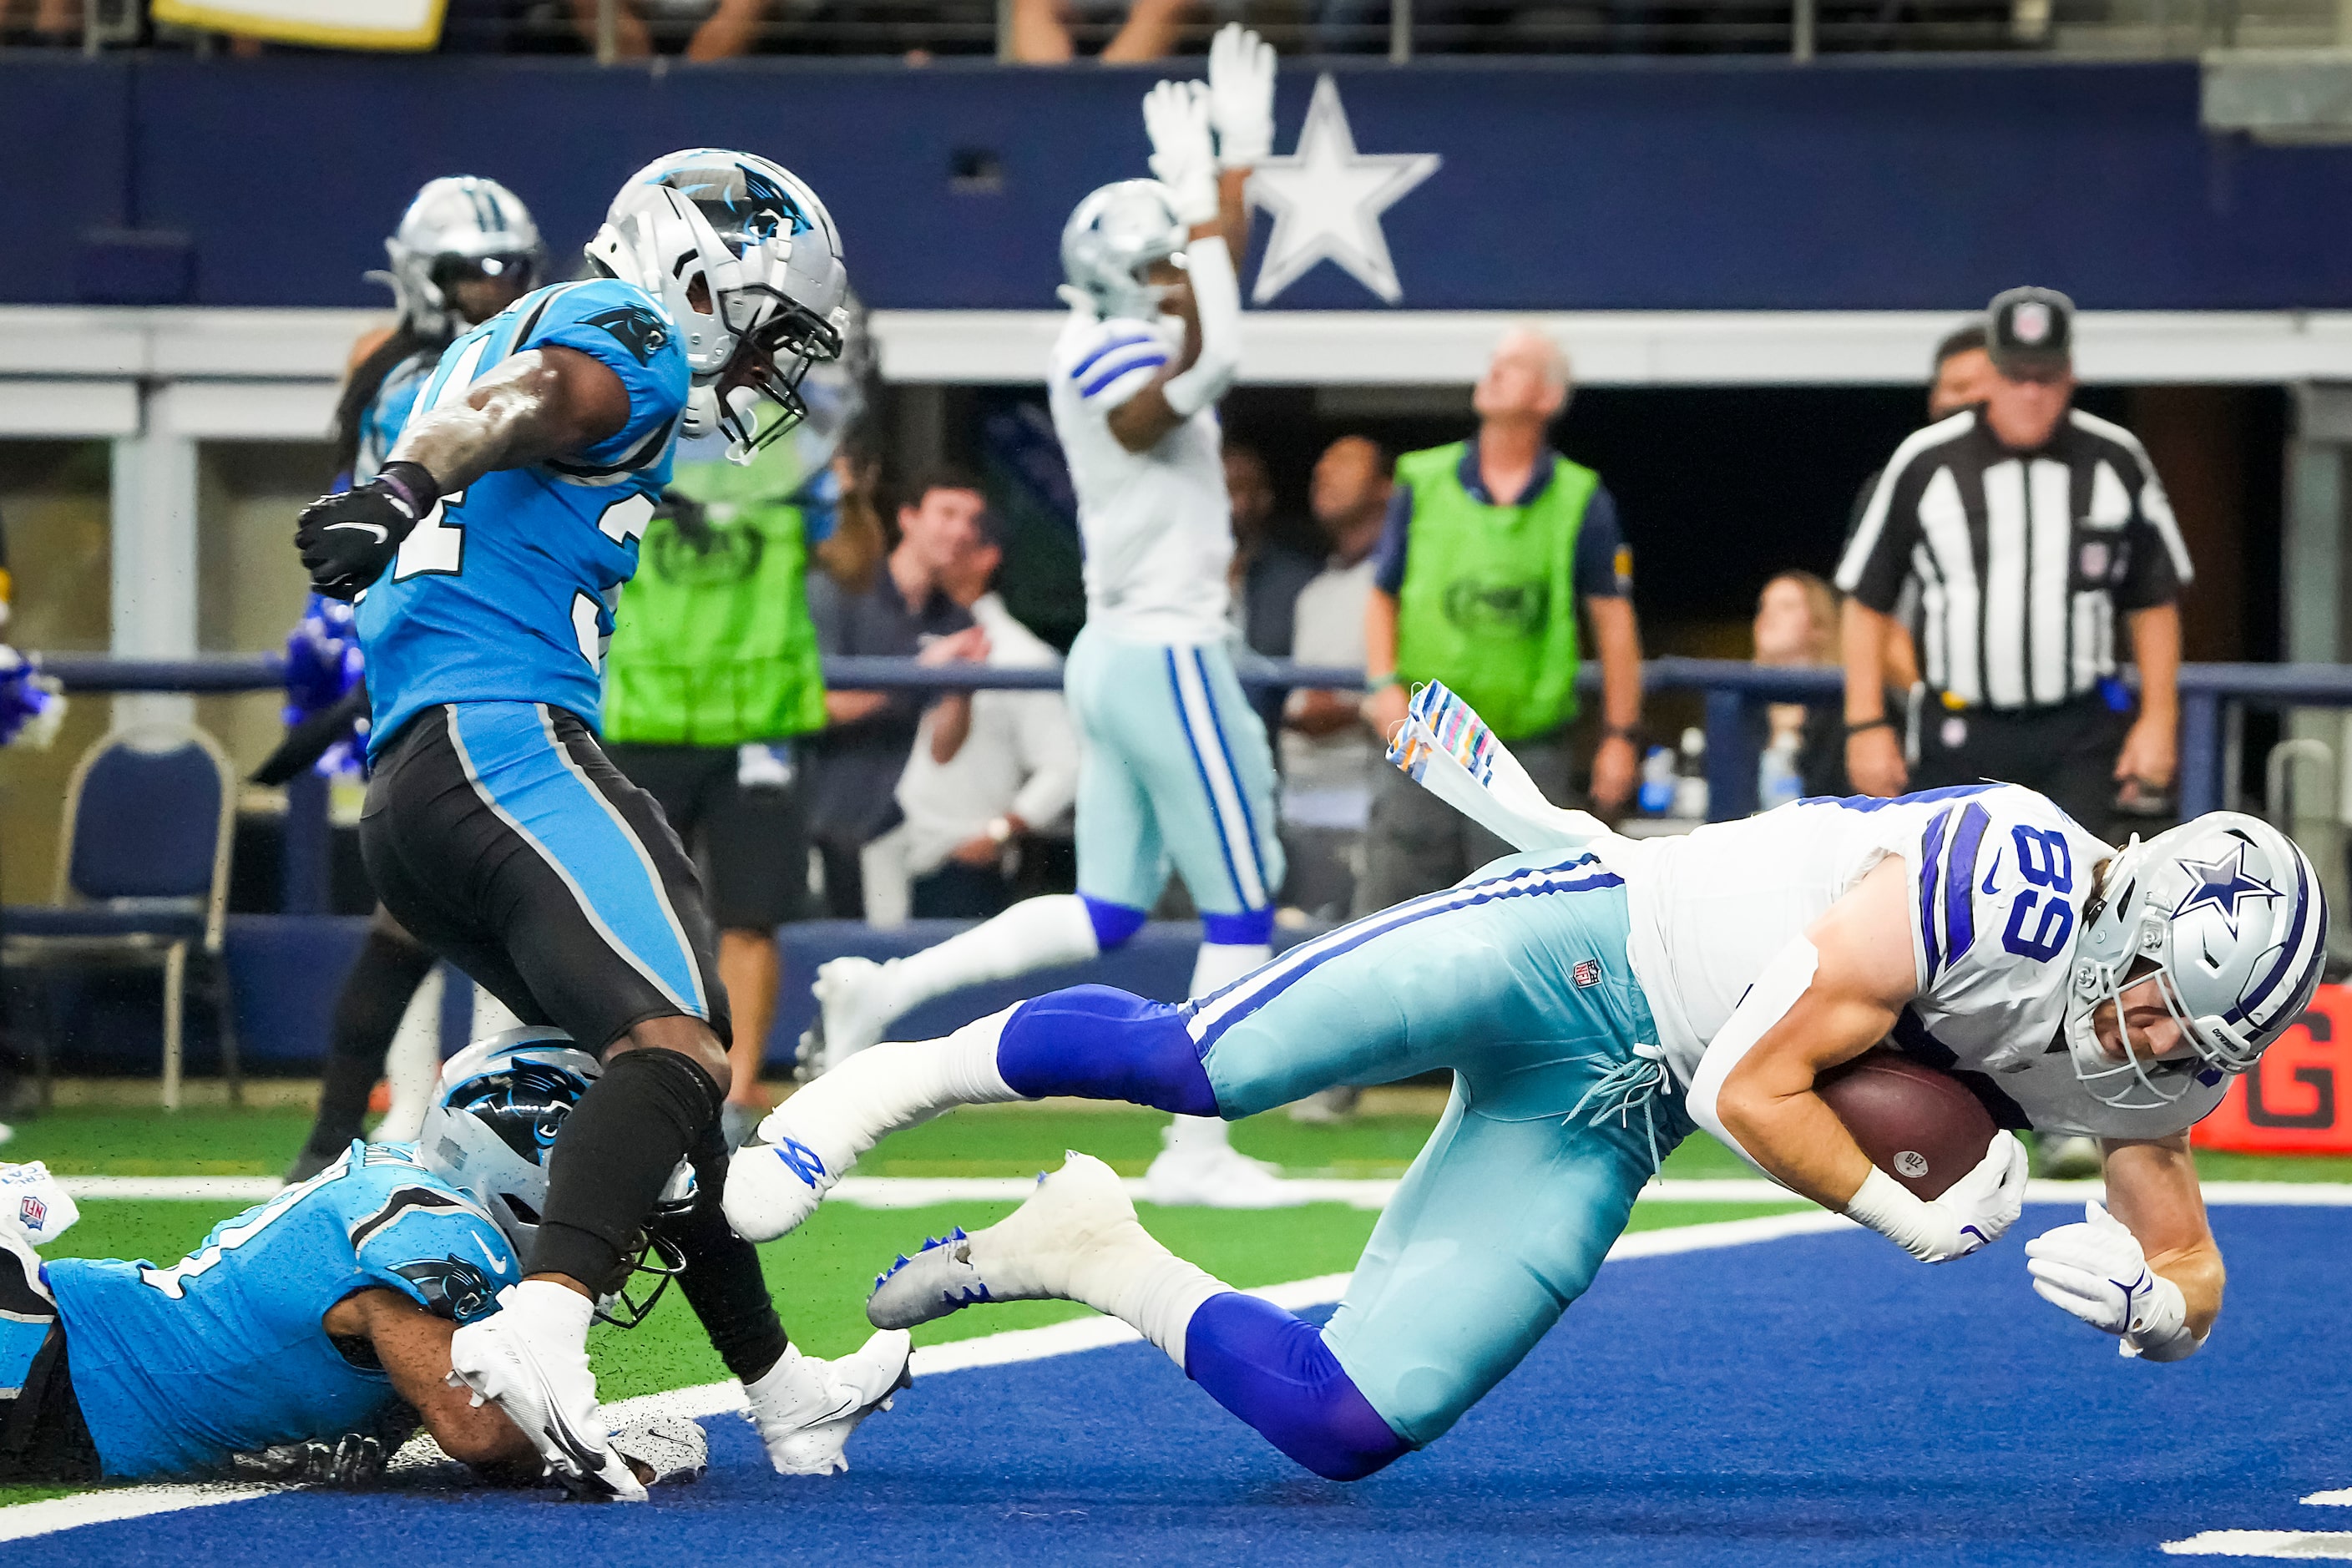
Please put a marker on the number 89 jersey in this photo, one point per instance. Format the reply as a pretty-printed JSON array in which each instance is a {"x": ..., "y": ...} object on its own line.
[
  {"x": 504, "y": 593},
  {"x": 1997, "y": 879}
]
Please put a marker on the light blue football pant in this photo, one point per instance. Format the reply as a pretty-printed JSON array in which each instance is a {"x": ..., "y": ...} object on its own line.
[
  {"x": 1176, "y": 770},
  {"x": 1516, "y": 980}
]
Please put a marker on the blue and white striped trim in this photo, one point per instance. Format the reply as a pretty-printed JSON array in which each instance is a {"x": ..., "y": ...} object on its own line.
[
  {"x": 2301, "y": 957},
  {"x": 1210, "y": 1015},
  {"x": 1947, "y": 870},
  {"x": 1221, "y": 782},
  {"x": 674, "y": 974},
  {"x": 1118, "y": 358}
]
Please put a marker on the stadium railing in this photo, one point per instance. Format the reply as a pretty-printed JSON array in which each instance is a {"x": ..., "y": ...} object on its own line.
[{"x": 2213, "y": 699}]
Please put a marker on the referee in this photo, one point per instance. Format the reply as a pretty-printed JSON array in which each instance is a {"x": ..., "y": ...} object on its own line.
[{"x": 2030, "y": 527}]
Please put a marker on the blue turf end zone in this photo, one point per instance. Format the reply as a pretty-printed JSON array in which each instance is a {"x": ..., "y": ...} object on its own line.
[{"x": 1815, "y": 1401}]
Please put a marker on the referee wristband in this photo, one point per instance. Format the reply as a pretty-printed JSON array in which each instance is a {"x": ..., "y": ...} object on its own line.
[{"x": 1857, "y": 726}]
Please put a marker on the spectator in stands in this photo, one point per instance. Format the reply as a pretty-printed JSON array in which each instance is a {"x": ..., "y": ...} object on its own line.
[
  {"x": 1267, "y": 575},
  {"x": 698, "y": 29},
  {"x": 988, "y": 768},
  {"x": 855, "y": 762},
  {"x": 1489, "y": 547},
  {"x": 57, "y": 23},
  {"x": 1044, "y": 31},
  {"x": 1804, "y": 744},
  {"x": 1328, "y": 750}
]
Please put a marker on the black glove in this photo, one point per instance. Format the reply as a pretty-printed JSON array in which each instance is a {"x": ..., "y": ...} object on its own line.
[
  {"x": 353, "y": 1462},
  {"x": 348, "y": 540}
]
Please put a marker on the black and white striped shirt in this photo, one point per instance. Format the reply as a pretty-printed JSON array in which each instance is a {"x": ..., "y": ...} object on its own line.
[{"x": 2022, "y": 559}]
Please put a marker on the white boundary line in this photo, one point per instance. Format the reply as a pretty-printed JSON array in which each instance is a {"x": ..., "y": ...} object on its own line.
[
  {"x": 24, "y": 1520},
  {"x": 2301, "y": 1544}
]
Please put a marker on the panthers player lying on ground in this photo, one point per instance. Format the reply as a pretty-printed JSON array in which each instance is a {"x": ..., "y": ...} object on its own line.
[
  {"x": 486, "y": 559},
  {"x": 316, "y": 1326},
  {"x": 1593, "y": 1004}
]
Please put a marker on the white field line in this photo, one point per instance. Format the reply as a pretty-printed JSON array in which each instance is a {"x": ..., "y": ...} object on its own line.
[
  {"x": 2305, "y": 1545},
  {"x": 2332, "y": 1499},
  {"x": 27, "y": 1519},
  {"x": 1369, "y": 1193}
]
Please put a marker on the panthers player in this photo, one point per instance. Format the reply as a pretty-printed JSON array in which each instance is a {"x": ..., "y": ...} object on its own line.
[
  {"x": 466, "y": 250},
  {"x": 490, "y": 551},
  {"x": 1594, "y": 1002},
  {"x": 1177, "y": 766}
]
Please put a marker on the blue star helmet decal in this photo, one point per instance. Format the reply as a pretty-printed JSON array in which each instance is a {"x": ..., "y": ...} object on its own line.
[
  {"x": 2222, "y": 883},
  {"x": 741, "y": 203}
]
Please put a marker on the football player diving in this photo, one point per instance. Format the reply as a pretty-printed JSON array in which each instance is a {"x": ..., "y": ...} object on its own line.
[
  {"x": 310, "y": 1335},
  {"x": 485, "y": 558},
  {"x": 466, "y": 248},
  {"x": 1177, "y": 766},
  {"x": 1596, "y": 997}
]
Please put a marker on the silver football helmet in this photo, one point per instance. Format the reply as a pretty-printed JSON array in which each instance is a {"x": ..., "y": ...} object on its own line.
[
  {"x": 1113, "y": 237},
  {"x": 2227, "y": 915},
  {"x": 459, "y": 222},
  {"x": 493, "y": 1121},
  {"x": 743, "y": 257}
]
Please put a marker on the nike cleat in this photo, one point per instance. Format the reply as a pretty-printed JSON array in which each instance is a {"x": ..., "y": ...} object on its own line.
[
  {"x": 806, "y": 1408},
  {"x": 1215, "y": 1176},
  {"x": 775, "y": 1181},
  {"x": 668, "y": 1451},
  {"x": 1078, "y": 1213},
  {"x": 519, "y": 1359}
]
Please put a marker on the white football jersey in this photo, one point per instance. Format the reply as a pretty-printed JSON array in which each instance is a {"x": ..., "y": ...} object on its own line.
[
  {"x": 1157, "y": 527},
  {"x": 1998, "y": 879}
]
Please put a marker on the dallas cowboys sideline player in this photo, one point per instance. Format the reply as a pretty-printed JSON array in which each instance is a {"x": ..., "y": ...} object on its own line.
[
  {"x": 490, "y": 550},
  {"x": 1595, "y": 1001},
  {"x": 1177, "y": 766}
]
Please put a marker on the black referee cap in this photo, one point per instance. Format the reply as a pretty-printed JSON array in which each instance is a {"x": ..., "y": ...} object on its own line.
[{"x": 2032, "y": 333}]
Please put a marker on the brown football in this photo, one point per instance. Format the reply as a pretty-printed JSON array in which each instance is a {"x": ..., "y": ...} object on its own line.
[{"x": 1920, "y": 1126}]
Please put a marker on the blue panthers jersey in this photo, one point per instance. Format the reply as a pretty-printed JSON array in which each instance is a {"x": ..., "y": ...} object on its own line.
[
  {"x": 504, "y": 592},
  {"x": 223, "y": 1352}
]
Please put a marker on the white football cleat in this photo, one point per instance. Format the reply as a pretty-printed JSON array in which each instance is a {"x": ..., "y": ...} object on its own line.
[
  {"x": 853, "y": 1000},
  {"x": 1032, "y": 1254},
  {"x": 668, "y": 1451},
  {"x": 1215, "y": 1176},
  {"x": 775, "y": 1181},
  {"x": 806, "y": 1408},
  {"x": 530, "y": 1364}
]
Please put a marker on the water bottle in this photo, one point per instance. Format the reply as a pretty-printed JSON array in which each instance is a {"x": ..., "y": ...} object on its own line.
[
  {"x": 1777, "y": 783},
  {"x": 1690, "y": 777},
  {"x": 1657, "y": 793}
]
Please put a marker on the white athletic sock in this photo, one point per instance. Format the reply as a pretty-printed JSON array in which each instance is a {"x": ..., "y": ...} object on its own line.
[
  {"x": 1155, "y": 1294},
  {"x": 413, "y": 1063},
  {"x": 885, "y": 1088},
  {"x": 1035, "y": 933},
  {"x": 557, "y": 1308}
]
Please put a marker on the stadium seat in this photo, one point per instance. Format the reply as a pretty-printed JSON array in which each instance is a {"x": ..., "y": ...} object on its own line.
[{"x": 143, "y": 878}]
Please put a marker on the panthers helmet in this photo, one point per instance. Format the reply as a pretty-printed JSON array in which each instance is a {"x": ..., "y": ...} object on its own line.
[
  {"x": 2227, "y": 915},
  {"x": 741, "y": 254},
  {"x": 1114, "y": 237},
  {"x": 493, "y": 1121},
  {"x": 457, "y": 222}
]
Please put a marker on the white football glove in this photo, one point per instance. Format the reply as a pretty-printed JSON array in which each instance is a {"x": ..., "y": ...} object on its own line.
[
  {"x": 1974, "y": 1212},
  {"x": 33, "y": 1205},
  {"x": 1183, "y": 159},
  {"x": 1241, "y": 96},
  {"x": 2097, "y": 1271}
]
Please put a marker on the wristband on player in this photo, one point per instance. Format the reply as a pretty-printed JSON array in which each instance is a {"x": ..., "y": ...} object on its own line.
[
  {"x": 410, "y": 484},
  {"x": 2164, "y": 1335}
]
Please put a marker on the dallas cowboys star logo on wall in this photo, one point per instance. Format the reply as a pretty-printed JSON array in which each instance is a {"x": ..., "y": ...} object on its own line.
[
  {"x": 2221, "y": 882},
  {"x": 1326, "y": 200}
]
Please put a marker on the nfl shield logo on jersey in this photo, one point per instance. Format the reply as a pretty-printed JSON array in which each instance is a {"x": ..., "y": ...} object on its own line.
[
  {"x": 32, "y": 1213},
  {"x": 1587, "y": 973}
]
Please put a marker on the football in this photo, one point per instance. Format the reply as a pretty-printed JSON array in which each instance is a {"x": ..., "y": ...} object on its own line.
[{"x": 1920, "y": 1126}]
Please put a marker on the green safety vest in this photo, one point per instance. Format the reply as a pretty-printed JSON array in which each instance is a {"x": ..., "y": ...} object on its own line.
[
  {"x": 1488, "y": 602},
  {"x": 717, "y": 648}
]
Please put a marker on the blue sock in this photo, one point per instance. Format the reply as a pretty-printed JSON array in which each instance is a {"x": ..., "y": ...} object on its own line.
[
  {"x": 1274, "y": 1371},
  {"x": 1114, "y": 924},
  {"x": 1103, "y": 1044}
]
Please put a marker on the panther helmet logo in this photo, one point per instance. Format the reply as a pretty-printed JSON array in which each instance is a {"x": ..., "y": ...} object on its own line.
[
  {"x": 635, "y": 328},
  {"x": 452, "y": 1287}
]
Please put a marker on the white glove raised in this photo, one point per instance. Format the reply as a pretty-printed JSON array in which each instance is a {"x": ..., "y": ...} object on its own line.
[
  {"x": 1183, "y": 159},
  {"x": 1241, "y": 96},
  {"x": 1974, "y": 1211},
  {"x": 2098, "y": 1271}
]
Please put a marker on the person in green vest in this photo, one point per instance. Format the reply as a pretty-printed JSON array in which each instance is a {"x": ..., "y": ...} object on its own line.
[
  {"x": 714, "y": 670},
  {"x": 1490, "y": 545}
]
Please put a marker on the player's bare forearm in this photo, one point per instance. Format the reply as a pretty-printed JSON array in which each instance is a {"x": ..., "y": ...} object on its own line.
[
  {"x": 413, "y": 1345},
  {"x": 1859, "y": 982},
  {"x": 1233, "y": 214},
  {"x": 1617, "y": 635},
  {"x": 2152, "y": 1189},
  {"x": 541, "y": 404}
]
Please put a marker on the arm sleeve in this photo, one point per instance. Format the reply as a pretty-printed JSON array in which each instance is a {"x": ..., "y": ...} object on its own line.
[
  {"x": 622, "y": 330},
  {"x": 2160, "y": 556},
  {"x": 434, "y": 1247},
  {"x": 1049, "y": 756},
  {"x": 1388, "y": 560},
  {"x": 1118, "y": 361},
  {"x": 1878, "y": 552},
  {"x": 1216, "y": 296},
  {"x": 1604, "y": 562}
]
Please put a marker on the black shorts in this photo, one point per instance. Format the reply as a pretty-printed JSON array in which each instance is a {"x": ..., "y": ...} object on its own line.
[
  {"x": 752, "y": 841},
  {"x": 501, "y": 835},
  {"x": 2066, "y": 751},
  {"x": 43, "y": 1436}
]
